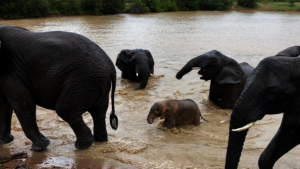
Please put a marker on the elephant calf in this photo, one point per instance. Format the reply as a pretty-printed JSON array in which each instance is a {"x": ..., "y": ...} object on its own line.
[
  {"x": 136, "y": 65},
  {"x": 175, "y": 112},
  {"x": 227, "y": 77}
]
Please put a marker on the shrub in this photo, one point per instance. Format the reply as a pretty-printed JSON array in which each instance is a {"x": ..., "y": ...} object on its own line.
[
  {"x": 138, "y": 7},
  {"x": 247, "y": 3},
  {"x": 65, "y": 7},
  {"x": 215, "y": 4},
  {"x": 14, "y": 9}
]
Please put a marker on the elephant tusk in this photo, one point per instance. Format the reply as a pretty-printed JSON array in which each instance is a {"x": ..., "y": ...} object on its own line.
[
  {"x": 245, "y": 127},
  {"x": 151, "y": 74},
  {"x": 137, "y": 74},
  {"x": 196, "y": 68},
  {"x": 225, "y": 121}
]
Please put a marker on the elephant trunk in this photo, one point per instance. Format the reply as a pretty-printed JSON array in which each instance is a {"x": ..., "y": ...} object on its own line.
[
  {"x": 235, "y": 146},
  {"x": 143, "y": 75},
  {"x": 151, "y": 117},
  {"x": 246, "y": 111},
  {"x": 188, "y": 67}
]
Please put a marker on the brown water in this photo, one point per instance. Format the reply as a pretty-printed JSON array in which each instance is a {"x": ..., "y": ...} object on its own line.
[{"x": 172, "y": 38}]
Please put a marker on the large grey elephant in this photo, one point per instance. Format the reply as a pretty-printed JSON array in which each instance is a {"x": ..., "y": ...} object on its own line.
[
  {"x": 136, "y": 65},
  {"x": 272, "y": 88},
  {"x": 227, "y": 77},
  {"x": 62, "y": 71}
]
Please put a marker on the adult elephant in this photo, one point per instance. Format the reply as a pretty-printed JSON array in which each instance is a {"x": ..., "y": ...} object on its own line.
[
  {"x": 227, "y": 76},
  {"x": 272, "y": 88},
  {"x": 136, "y": 65},
  {"x": 62, "y": 71}
]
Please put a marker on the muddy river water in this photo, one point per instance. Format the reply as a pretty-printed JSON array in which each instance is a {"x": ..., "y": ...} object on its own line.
[{"x": 172, "y": 38}]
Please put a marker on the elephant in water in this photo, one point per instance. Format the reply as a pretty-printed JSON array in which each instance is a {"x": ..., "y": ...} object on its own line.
[
  {"x": 136, "y": 65},
  {"x": 61, "y": 71},
  {"x": 176, "y": 112},
  {"x": 227, "y": 77},
  {"x": 272, "y": 88}
]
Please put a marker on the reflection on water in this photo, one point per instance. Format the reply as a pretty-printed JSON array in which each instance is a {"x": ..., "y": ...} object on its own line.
[{"x": 173, "y": 38}]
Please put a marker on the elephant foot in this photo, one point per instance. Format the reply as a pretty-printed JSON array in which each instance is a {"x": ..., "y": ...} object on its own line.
[
  {"x": 6, "y": 139},
  {"x": 40, "y": 145},
  {"x": 84, "y": 142}
]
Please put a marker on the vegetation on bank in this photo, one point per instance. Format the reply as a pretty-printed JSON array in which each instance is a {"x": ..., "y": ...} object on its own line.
[
  {"x": 14, "y": 9},
  {"x": 140, "y": 6},
  {"x": 279, "y": 6}
]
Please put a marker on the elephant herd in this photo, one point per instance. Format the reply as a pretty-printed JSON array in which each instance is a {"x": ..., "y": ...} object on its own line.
[{"x": 70, "y": 74}]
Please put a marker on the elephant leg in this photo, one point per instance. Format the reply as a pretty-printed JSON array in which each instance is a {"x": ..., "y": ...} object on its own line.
[
  {"x": 285, "y": 139},
  {"x": 5, "y": 119},
  {"x": 99, "y": 114},
  {"x": 24, "y": 106},
  {"x": 70, "y": 106},
  {"x": 170, "y": 122},
  {"x": 83, "y": 133},
  {"x": 197, "y": 120}
]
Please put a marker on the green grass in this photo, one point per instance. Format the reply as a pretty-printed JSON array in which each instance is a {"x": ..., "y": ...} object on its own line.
[{"x": 279, "y": 6}]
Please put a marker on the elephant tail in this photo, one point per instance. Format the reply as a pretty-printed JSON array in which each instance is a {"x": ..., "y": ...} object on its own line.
[{"x": 113, "y": 117}]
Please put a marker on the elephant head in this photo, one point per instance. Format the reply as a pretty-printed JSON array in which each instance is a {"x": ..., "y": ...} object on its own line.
[
  {"x": 272, "y": 88},
  {"x": 158, "y": 109},
  {"x": 215, "y": 66},
  {"x": 136, "y": 65}
]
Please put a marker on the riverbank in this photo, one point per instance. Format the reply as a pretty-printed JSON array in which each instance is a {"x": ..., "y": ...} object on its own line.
[{"x": 272, "y": 7}]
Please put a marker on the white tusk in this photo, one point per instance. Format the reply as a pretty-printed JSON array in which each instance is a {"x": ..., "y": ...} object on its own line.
[
  {"x": 196, "y": 68},
  {"x": 245, "y": 127},
  {"x": 225, "y": 121},
  {"x": 151, "y": 74},
  {"x": 137, "y": 74}
]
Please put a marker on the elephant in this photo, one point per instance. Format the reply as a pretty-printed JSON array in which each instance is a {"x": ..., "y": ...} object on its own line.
[
  {"x": 272, "y": 88},
  {"x": 136, "y": 65},
  {"x": 227, "y": 77},
  {"x": 56, "y": 70},
  {"x": 175, "y": 112}
]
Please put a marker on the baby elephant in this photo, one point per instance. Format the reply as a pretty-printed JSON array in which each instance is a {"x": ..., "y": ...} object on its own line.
[{"x": 175, "y": 112}]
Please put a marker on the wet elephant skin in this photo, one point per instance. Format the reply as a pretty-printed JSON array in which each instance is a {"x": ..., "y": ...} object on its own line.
[
  {"x": 62, "y": 71},
  {"x": 175, "y": 112},
  {"x": 136, "y": 65},
  {"x": 272, "y": 88},
  {"x": 227, "y": 77}
]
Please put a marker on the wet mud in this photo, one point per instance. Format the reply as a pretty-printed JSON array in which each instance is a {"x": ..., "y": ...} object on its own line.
[{"x": 173, "y": 39}]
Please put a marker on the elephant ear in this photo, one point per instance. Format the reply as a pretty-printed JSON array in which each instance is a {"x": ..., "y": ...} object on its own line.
[
  {"x": 150, "y": 61},
  {"x": 293, "y": 51},
  {"x": 231, "y": 73},
  {"x": 150, "y": 58}
]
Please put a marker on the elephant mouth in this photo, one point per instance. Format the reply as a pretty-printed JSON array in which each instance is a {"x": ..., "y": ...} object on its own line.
[{"x": 204, "y": 73}]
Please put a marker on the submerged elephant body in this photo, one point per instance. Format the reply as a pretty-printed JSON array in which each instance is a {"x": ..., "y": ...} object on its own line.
[
  {"x": 272, "y": 88},
  {"x": 175, "y": 112},
  {"x": 227, "y": 77},
  {"x": 62, "y": 71},
  {"x": 136, "y": 65}
]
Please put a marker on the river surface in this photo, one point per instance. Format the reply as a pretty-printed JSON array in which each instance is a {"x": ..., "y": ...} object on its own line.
[{"x": 172, "y": 38}]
